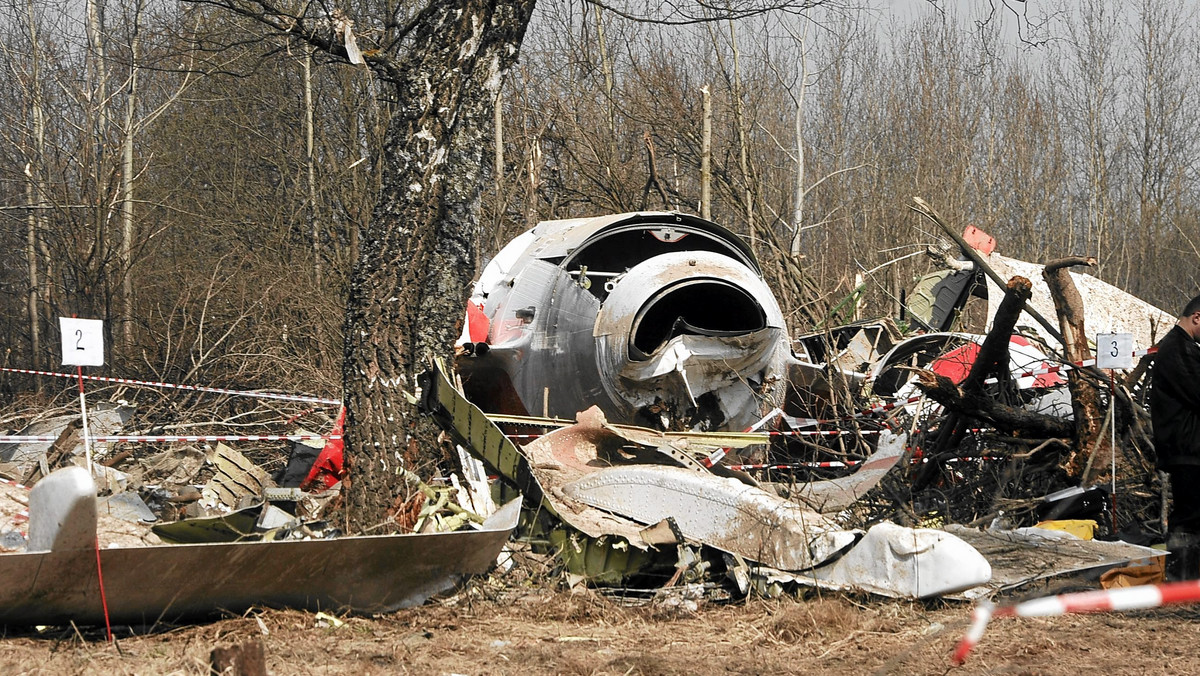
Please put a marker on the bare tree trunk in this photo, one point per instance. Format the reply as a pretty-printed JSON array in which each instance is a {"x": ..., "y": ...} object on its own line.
[
  {"x": 35, "y": 194},
  {"x": 498, "y": 141},
  {"x": 127, "y": 183},
  {"x": 31, "y": 256},
  {"x": 417, "y": 254},
  {"x": 798, "y": 205},
  {"x": 535, "y": 180},
  {"x": 314, "y": 225},
  {"x": 706, "y": 156},
  {"x": 1085, "y": 400},
  {"x": 743, "y": 141},
  {"x": 606, "y": 67},
  {"x": 98, "y": 79}
]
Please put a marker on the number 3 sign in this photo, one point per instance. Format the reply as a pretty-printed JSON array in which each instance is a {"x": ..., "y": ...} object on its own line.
[
  {"x": 82, "y": 341},
  {"x": 1114, "y": 350}
]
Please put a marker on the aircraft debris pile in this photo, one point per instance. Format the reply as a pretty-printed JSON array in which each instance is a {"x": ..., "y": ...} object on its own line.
[
  {"x": 661, "y": 320},
  {"x": 630, "y": 381},
  {"x": 193, "y": 531}
]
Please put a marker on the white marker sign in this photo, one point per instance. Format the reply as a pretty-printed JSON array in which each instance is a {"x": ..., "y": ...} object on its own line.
[
  {"x": 82, "y": 341},
  {"x": 1114, "y": 350}
]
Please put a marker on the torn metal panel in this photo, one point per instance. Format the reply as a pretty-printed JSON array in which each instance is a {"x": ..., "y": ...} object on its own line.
[
  {"x": 937, "y": 298},
  {"x": 1107, "y": 309},
  {"x": 103, "y": 419},
  {"x": 144, "y": 585},
  {"x": 235, "y": 477},
  {"x": 895, "y": 561},
  {"x": 835, "y": 495},
  {"x": 719, "y": 512},
  {"x": 1025, "y": 555},
  {"x": 127, "y": 506},
  {"x": 233, "y": 527}
]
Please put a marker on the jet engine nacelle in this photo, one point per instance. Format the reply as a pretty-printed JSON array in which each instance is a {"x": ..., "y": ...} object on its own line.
[{"x": 660, "y": 319}]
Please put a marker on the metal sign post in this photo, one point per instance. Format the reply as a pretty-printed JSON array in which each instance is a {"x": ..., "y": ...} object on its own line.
[
  {"x": 1113, "y": 351},
  {"x": 82, "y": 345}
]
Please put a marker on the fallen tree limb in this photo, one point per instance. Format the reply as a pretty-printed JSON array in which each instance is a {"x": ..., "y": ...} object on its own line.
[
  {"x": 992, "y": 358},
  {"x": 922, "y": 207},
  {"x": 980, "y": 406}
]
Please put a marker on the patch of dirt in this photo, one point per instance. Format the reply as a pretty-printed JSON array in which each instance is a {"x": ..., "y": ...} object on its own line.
[{"x": 548, "y": 632}]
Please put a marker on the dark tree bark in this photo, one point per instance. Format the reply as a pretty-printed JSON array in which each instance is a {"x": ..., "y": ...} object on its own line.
[
  {"x": 440, "y": 65},
  {"x": 978, "y": 406},
  {"x": 417, "y": 256},
  {"x": 967, "y": 401}
]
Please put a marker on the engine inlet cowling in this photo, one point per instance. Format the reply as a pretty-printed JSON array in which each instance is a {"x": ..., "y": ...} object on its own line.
[{"x": 698, "y": 307}]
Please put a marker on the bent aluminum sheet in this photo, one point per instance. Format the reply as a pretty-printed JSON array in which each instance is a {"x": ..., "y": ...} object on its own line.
[
  {"x": 720, "y": 512},
  {"x": 1026, "y": 555},
  {"x": 895, "y": 561},
  {"x": 834, "y": 495},
  {"x": 372, "y": 574}
]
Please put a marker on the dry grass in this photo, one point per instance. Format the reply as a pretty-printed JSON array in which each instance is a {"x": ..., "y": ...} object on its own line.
[{"x": 542, "y": 631}]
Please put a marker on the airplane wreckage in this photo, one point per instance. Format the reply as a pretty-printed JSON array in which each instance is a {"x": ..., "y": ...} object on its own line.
[
  {"x": 658, "y": 335},
  {"x": 630, "y": 381}
]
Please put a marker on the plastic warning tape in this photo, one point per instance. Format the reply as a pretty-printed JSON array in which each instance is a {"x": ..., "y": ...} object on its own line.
[
  {"x": 193, "y": 388},
  {"x": 213, "y": 437},
  {"x": 1097, "y": 601},
  {"x": 842, "y": 463},
  {"x": 178, "y": 437},
  {"x": 719, "y": 454},
  {"x": 883, "y": 408},
  {"x": 801, "y": 465},
  {"x": 781, "y": 433},
  {"x": 822, "y": 433},
  {"x": 1067, "y": 367}
]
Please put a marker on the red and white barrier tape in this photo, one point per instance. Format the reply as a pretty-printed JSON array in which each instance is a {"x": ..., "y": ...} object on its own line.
[
  {"x": 1100, "y": 600},
  {"x": 1067, "y": 367},
  {"x": 717, "y": 455},
  {"x": 801, "y": 465},
  {"x": 179, "y": 437},
  {"x": 831, "y": 464},
  {"x": 193, "y": 388}
]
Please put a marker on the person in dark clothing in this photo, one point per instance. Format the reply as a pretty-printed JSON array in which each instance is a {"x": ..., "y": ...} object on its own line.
[{"x": 1175, "y": 413}]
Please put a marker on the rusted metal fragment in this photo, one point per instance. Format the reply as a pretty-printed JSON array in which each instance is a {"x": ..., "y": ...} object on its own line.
[
  {"x": 720, "y": 512},
  {"x": 835, "y": 495},
  {"x": 144, "y": 585},
  {"x": 1025, "y": 555}
]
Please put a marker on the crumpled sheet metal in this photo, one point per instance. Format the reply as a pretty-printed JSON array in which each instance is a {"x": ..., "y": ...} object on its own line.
[
  {"x": 1025, "y": 555},
  {"x": 720, "y": 512},
  {"x": 1107, "y": 309},
  {"x": 895, "y": 561},
  {"x": 371, "y": 574},
  {"x": 834, "y": 495}
]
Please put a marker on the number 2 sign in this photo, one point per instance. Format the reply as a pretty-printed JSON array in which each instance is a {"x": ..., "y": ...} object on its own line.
[
  {"x": 82, "y": 341},
  {"x": 1114, "y": 350}
]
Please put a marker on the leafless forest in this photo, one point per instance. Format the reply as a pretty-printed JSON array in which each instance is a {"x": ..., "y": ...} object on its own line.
[{"x": 199, "y": 184}]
